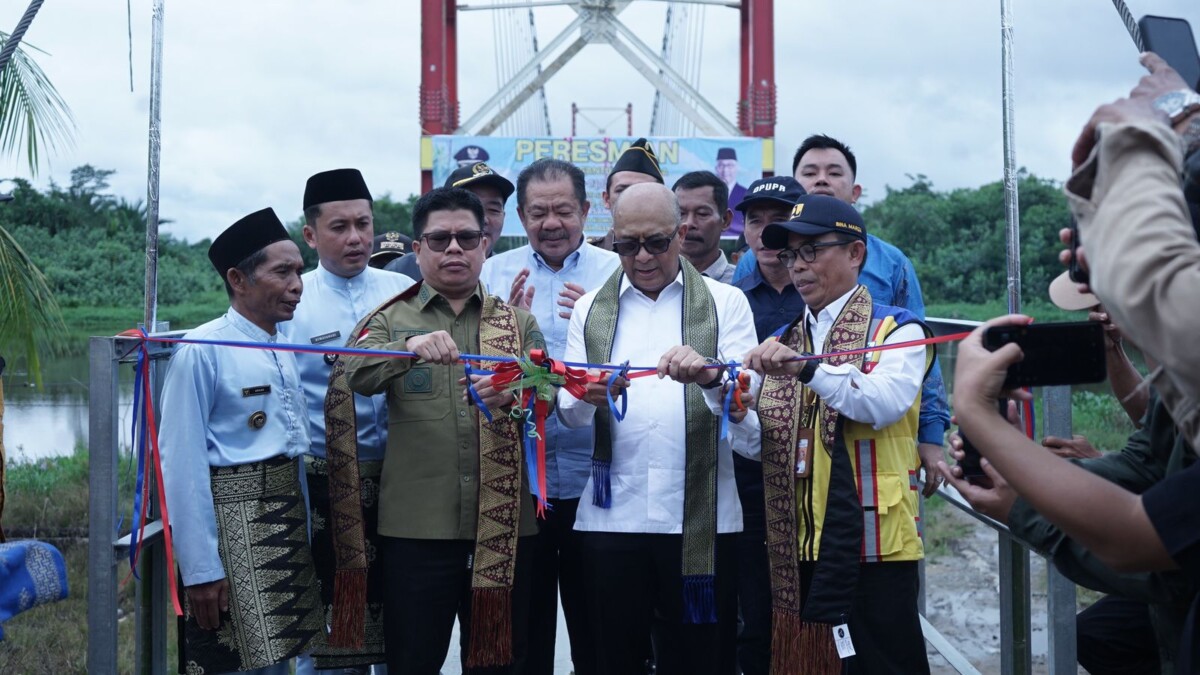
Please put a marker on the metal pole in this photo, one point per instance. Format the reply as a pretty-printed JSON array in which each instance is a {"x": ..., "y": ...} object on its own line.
[
  {"x": 1060, "y": 591},
  {"x": 1012, "y": 216},
  {"x": 14, "y": 38},
  {"x": 150, "y": 316},
  {"x": 102, "y": 500},
  {"x": 1016, "y": 655}
]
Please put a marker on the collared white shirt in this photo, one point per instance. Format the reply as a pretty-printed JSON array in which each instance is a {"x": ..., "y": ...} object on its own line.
[
  {"x": 210, "y": 396},
  {"x": 649, "y": 458},
  {"x": 879, "y": 398},
  {"x": 568, "y": 451},
  {"x": 329, "y": 309}
]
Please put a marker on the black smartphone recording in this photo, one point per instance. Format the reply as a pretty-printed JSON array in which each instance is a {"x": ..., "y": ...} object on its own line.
[
  {"x": 1055, "y": 353},
  {"x": 1172, "y": 39},
  {"x": 1074, "y": 270}
]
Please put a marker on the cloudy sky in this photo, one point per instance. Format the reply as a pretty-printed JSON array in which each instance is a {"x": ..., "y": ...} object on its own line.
[{"x": 259, "y": 95}]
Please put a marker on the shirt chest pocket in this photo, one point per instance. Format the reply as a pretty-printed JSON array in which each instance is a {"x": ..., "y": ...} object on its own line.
[{"x": 418, "y": 395}]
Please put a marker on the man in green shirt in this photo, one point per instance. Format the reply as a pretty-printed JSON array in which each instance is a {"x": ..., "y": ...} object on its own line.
[{"x": 451, "y": 504}]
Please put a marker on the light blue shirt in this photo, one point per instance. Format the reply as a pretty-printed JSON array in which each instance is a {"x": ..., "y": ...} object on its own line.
[
  {"x": 209, "y": 397},
  {"x": 329, "y": 309},
  {"x": 892, "y": 280},
  {"x": 568, "y": 451}
]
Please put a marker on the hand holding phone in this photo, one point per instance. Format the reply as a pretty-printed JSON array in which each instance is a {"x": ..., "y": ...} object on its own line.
[
  {"x": 972, "y": 470},
  {"x": 1055, "y": 354}
]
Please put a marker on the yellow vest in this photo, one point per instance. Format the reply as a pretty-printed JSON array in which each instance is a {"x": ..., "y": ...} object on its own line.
[{"x": 885, "y": 464}]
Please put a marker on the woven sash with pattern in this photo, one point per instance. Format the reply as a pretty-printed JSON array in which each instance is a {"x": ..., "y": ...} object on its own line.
[
  {"x": 500, "y": 497},
  {"x": 699, "y": 330},
  {"x": 803, "y": 645}
]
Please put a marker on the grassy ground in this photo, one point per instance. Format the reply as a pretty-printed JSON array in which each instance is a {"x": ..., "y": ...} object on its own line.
[{"x": 48, "y": 500}]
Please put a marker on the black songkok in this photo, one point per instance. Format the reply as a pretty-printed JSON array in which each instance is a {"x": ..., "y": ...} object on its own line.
[
  {"x": 335, "y": 186},
  {"x": 244, "y": 238},
  {"x": 639, "y": 157}
]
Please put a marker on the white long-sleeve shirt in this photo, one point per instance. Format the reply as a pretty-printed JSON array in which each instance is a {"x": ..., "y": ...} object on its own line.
[
  {"x": 879, "y": 398},
  {"x": 648, "y": 446},
  {"x": 209, "y": 397}
]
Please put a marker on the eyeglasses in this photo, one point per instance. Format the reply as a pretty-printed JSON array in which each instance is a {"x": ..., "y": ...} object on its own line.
[
  {"x": 808, "y": 252},
  {"x": 439, "y": 241},
  {"x": 654, "y": 245}
]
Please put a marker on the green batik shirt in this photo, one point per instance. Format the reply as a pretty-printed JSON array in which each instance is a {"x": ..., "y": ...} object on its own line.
[{"x": 430, "y": 483}]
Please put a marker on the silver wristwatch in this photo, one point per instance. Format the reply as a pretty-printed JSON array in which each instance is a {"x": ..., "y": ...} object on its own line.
[{"x": 1177, "y": 104}]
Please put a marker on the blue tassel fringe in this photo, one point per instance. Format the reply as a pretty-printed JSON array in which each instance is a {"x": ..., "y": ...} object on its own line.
[{"x": 601, "y": 484}]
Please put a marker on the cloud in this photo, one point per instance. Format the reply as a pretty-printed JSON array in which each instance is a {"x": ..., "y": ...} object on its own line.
[{"x": 258, "y": 96}]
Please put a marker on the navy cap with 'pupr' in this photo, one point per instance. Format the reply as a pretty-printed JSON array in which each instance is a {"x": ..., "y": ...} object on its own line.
[{"x": 781, "y": 189}]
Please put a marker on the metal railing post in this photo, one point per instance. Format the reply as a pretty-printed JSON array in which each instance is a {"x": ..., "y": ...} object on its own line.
[
  {"x": 1060, "y": 592},
  {"x": 102, "y": 498},
  {"x": 1016, "y": 655}
]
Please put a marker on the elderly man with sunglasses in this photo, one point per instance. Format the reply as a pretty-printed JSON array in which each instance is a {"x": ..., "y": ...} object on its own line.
[
  {"x": 455, "y": 519},
  {"x": 839, "y": 455},
  {"x": 659, "y": 517}
]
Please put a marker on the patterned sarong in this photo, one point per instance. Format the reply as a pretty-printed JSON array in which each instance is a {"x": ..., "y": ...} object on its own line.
[
  {"x": 325, "y": 560},
  {"x": 274, "y": 605}
]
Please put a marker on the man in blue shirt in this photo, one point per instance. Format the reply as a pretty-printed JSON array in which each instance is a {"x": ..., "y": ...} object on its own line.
[
  {"x": 546, "y": 277},
  {"x": 233, "y": 428},
  {"x": 826, "y": 166},
  {"x": 339, "y": 225}
]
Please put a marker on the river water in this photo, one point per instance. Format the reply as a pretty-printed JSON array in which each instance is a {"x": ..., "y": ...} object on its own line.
[{"x": 54, "y": 420}]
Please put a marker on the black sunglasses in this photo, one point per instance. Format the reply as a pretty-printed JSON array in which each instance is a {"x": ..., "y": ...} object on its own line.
[
  {"x": 467, "y": 240},
  {"x": 653, "y": 245}
]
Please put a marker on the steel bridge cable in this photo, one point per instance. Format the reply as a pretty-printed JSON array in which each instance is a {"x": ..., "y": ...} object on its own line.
[
  {"x": 14, "y": 38},
  {"x": 1131, "y": 24}
]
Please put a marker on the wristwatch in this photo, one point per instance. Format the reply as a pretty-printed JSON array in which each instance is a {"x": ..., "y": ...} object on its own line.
[
  {"x": 1177, "y": 104},
  {"x": 718, "y": 380},
  {"x": 809, "y": 369}
]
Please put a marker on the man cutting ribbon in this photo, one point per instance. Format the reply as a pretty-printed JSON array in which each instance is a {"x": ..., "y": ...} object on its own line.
[
  {"x": 659, "y": 516},
  {"x": 454, "y": 514}
]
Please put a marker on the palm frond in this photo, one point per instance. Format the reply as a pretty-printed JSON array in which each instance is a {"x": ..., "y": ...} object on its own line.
[
  {"x": 29, "y": 315},
  {"x": 33, "y": 115}
]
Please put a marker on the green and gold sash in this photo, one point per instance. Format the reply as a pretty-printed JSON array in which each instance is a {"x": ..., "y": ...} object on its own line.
[{"x": 700, "y": 331}]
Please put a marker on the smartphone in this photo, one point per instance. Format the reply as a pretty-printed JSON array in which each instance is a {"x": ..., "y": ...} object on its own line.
[
  {"x": 972, "y": 470},
  {"x": 1172, "y": 39},
  {"x": 1074, "y": 270},
  {"x": 1055, "y": 353}
]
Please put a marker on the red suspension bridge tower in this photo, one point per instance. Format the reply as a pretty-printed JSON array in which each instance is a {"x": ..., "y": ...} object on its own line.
[{"x": 598, "y": 22}]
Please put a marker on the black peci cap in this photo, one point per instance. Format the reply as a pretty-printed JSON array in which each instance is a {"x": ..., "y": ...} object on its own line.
[
  {"x": 639, "y": 157},
  {"x": 249, "y": 235},
  {"x": 335, "y": 186}
]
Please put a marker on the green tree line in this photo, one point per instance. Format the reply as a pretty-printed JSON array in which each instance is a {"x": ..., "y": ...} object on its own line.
[
  {"x": 956, "y": 238},
  {"x": 90, "y": 243}
]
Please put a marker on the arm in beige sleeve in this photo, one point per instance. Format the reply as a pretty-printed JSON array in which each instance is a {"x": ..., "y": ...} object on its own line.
[{"x": 1142, "y": 251}]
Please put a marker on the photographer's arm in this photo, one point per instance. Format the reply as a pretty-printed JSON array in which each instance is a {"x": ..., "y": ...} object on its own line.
[
  {"x": 1139, "y": 241},
  {"x": 1106, "y": 519}
]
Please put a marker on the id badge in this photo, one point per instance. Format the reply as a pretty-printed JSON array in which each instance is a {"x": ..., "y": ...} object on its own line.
[{"x": 804, "y": 453}]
